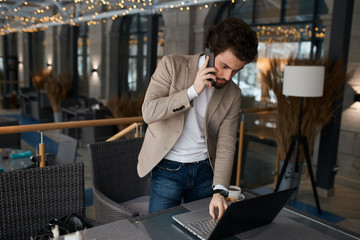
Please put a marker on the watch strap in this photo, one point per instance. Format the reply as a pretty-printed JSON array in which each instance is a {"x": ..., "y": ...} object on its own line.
[{"x": 222, "y": 192}]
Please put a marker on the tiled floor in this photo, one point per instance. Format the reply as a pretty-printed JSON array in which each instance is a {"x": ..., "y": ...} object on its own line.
[
  {"x": 260, "y": 161},
  {"x": 344, "y": 203}
]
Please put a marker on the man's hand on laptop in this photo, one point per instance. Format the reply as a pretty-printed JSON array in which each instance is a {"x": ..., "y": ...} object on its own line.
[{"x": 218, "y": 201}]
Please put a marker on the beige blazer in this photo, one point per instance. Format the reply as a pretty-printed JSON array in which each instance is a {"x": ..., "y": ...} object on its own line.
[{"x": 165, "y": 108}]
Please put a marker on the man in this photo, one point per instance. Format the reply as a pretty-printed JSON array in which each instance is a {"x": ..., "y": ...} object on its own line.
[{"x": 190, "y": 141}]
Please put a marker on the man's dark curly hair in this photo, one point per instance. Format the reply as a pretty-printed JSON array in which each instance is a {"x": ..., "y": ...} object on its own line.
[{"x": 235, "y": 34}]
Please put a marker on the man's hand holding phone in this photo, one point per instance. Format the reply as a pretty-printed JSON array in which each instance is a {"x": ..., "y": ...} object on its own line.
[
  {"x": 204, "y": 77},
  {"x": 211, "y": 62}
]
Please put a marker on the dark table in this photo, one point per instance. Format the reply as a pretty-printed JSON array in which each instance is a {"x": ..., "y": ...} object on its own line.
[
  {"x": 76, "y": 113},
  {"x": 289, "y": 224},
  {"x": 9, "y": 164},
  {"x": 73, "y": 114},
  {"x": 88, "y": 134}
]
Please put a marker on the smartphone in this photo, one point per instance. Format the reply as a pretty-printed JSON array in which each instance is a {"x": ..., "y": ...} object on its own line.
[{"x": 211, "y": 62}]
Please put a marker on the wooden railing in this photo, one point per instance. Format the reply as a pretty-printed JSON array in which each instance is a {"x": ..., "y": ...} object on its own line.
[
  {"x": 65, "y": 125},
  {"x": 135, "y": 124},
  {"x": 11, "y": 82},
  {"x": 132, "y": 127}
]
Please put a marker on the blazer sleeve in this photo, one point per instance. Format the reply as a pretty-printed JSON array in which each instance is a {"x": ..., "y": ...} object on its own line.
[
  {"x": 163, "y": 99},
  {"x": 226, "y": 144}
]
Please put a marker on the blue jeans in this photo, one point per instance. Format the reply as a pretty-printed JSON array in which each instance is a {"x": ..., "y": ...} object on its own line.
[{"x": 173, "y": 182}]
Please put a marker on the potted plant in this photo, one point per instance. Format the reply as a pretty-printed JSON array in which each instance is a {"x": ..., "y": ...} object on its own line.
[
  {"x": 58, "y": 88},
  {"x": 125, "y": 107}
]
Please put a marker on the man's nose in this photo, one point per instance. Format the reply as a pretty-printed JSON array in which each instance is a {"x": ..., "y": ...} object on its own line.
[{"x": 227, "y": 75}]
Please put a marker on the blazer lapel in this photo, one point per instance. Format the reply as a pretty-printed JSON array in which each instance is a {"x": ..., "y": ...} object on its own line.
[{"x": 214, "y": 102}]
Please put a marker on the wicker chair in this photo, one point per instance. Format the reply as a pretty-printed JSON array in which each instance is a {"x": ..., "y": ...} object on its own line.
[
  {"x": 119, "y": 192},
  {"x": 30, "y": 198}
]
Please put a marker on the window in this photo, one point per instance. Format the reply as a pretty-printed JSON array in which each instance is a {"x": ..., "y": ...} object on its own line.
[
  {"x": 83, "y": 55},
  {"x": 137, "y": 52},
  {"x": 285, "y": 29}
]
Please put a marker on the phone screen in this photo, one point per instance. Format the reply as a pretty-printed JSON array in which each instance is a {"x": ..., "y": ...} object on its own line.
[{"x": 211, "y": 62}]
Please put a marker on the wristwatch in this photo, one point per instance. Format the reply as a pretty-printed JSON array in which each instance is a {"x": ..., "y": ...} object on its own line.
[{"x": 221, "y": 192}]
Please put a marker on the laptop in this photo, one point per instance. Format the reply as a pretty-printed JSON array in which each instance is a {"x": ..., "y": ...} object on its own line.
[{"x": 239, "y": 216}]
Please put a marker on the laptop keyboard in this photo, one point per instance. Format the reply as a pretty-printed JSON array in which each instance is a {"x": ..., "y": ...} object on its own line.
[{"x": 204, "y": 227}]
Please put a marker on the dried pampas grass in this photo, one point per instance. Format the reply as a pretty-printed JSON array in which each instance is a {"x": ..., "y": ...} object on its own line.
[
  {"x": 58, "y": 88},
  {"x": 125, "y": 107},
  {"x": 40, "y": 78},
  {"x": 317, "y": 112}
]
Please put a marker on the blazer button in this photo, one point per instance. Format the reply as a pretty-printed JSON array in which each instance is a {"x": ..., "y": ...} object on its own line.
[{"x": 174, "y": 110}]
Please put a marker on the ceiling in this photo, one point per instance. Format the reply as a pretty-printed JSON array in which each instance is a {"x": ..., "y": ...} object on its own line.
[{"x": 34, "y": 15}]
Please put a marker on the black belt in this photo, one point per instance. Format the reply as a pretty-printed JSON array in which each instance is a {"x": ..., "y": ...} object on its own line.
[{"x": 190, "y": 163}]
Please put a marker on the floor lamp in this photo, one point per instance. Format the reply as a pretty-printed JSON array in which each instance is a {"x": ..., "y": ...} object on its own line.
[{"x": 302, "y": 81}]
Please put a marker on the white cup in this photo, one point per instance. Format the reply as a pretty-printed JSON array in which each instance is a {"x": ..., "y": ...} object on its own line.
[{"x": 235, "y": 194}]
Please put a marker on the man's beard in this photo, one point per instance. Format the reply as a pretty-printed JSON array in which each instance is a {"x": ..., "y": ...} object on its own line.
[{"x": 218, "y": 85}]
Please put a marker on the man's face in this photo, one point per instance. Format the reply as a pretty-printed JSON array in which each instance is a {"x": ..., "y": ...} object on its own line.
[{"x": 227, "y": 65}]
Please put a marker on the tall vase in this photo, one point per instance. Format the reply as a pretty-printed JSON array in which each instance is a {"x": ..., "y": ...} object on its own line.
[
  {"x": 290, "y": 180},
  {"x": 57, "y": 117}
]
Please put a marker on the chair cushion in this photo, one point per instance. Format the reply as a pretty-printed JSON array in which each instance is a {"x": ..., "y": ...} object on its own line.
[{"x": 140, "y": 204}]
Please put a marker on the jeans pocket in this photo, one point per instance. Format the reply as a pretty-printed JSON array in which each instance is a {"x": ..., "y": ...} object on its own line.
[{"x": 170, "y": 166}]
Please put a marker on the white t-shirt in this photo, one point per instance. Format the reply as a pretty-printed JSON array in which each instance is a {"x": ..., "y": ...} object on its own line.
[{"x": 191, "y": 145}]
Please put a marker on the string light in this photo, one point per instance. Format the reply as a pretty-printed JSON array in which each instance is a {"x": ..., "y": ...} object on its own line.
[
  {"x": 288, "y": 33},
  {"x": 95, "y": 12}
]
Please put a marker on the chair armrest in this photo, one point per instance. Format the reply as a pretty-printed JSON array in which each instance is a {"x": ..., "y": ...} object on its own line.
[{"x": 107, "y": 210}]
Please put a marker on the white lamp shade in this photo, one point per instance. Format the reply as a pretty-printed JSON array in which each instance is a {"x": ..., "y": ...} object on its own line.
[{"x": 304, "y": 81}]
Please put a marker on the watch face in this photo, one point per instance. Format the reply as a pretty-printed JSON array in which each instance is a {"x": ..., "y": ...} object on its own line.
[{"x": 225, "y": 194}]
